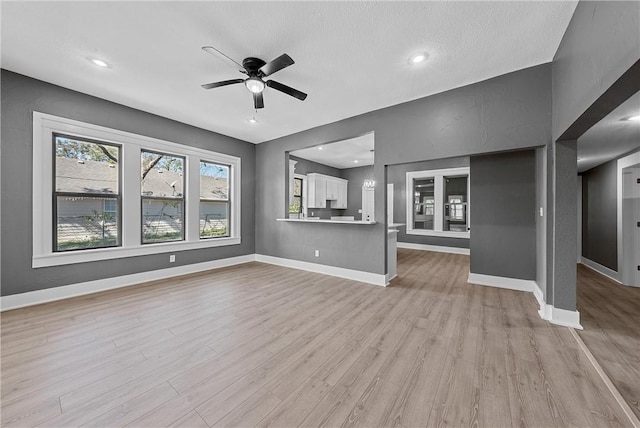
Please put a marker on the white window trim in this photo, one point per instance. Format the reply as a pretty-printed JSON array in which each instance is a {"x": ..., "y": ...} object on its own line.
[
  {"x": 45, "y": 125},
  {"x": 438, "y": 176}
]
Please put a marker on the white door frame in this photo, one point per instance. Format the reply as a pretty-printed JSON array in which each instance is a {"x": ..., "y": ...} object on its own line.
[{"x": 624, "y": 272}]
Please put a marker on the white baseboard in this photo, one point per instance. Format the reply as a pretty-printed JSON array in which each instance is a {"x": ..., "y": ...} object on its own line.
[
  {"x": 547, "y": 312},
  {"x": 603, "y": 270},
  {"x": 356, "y": 275},
  {"x": 503, "y": 282},
  {"x": 388, "y": 278},
  {"x": 37, "y": 297},
  {"x": 437, "y": 248}
]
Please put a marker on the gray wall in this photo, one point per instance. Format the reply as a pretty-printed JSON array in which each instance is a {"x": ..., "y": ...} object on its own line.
[
  {"x": 601, "y": 43},
  {"x": 541, "y": 221},
  {"x": 594, "y": 70},
  {"x": 396, "y": 174},
  {"x": 356, "y": 177},
  {"x": 20, "y": 97},
  {"x": 512, "y": 111},
  {"x": 599, "y": 215},
  {"x": 503, "y": 223}
]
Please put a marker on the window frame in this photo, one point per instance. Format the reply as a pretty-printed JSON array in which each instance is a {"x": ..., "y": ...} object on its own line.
[
  {"x": 228, "y": 200},
  {"x": 438, "y": 175},
  {"x": 182, "y": 199},
  {"x": 44, "y": 125},
  {"x": 55, "y": 194}
]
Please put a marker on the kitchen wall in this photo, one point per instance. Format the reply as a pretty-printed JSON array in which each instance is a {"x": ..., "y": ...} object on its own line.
[
  {"x": 305, "y": 167},
  {"x": 356, "y": 177},
  {"x": 21, "y": 96}
]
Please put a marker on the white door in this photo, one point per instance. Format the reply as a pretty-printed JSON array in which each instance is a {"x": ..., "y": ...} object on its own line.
[{"x": 631, "y": 225}]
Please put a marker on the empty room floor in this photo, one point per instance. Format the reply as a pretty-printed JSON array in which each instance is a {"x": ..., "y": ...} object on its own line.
[
  {"x": 610, "y": 315},
  {"x": 259, "y": 345}
]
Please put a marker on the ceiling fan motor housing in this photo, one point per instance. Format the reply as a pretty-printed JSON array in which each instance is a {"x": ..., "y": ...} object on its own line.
[{"x": 252, "y": 65}]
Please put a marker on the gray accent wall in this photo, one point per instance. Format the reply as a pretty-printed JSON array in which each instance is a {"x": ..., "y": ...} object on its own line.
[
  {"x": 22, "y": 95},
  {"x": 503, "y": 223},
  {"x": 600, "y": 215},
  {"x": 600, "y": 44},
  {"x": 512, "y": 111},
  {"x": 397, "y": 175}
]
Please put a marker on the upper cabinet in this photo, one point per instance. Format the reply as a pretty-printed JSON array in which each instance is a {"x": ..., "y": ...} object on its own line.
[
  {"x": 323, "y": 188},
  {"x": 340, "y": 200}
]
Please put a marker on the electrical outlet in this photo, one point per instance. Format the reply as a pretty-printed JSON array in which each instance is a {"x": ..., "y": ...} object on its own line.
[
  {"x": 317, "y": 253},
  {"x": 172, "y": 258}
]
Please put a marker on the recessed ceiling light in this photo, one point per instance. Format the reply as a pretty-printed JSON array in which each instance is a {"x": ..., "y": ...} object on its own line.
[
  {"x": 320, "y": 147},
  {"x": 418, "y": 58},
  {"x": 253, "y": 120},
  {"x": 99, "y": 62},
  {"x": 355, "y": 161},
  {"x": 632, "y": 118}
]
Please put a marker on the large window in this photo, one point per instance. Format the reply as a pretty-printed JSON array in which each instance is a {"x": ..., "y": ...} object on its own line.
[
  {"x": 162, "y": 187},
  {"x": 86, "y": 196},
  {"x": 100, "y": 193},
  {"x": 438, "y": 202},
  {"x": 214, "y": 200}
]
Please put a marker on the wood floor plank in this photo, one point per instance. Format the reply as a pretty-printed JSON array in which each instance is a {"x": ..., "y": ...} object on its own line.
[{"x": 258, "y": 344}]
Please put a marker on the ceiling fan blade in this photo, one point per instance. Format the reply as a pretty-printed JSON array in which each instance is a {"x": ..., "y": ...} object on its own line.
[
  {"x": 277, "y": 64},
  {"x": 222, "y": 83},
  {"x": 258, "y": 102},
  {"x": 215, "y": 52},
  {"x": 286, "y": 89}
]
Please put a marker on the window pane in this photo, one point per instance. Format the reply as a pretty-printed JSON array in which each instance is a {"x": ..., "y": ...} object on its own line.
[
  {"x": 296, "y": 206},
  {"x": 82, "y": 222},
  {"x": 162, "y": 220},
  {"x": 84, "y": 167},
  {"x": 214, "y": 219},
  {"x": 297, "y": 187},
  {"x": 162, "y": 175},
  {"x": 214, "y": 181},
  {"x": 455, "y": 204},
  {"x": 423, "y": 203}
]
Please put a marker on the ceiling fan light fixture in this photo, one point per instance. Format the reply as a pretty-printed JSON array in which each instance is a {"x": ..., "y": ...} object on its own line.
[{"x": 254, "y": 85}]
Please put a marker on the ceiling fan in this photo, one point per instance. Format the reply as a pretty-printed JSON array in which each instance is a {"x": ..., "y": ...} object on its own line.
[{"x": 256, "y": 69}]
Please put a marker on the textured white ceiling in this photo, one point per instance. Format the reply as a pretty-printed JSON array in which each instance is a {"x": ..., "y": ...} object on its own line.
[
  {"x": 351, "y": 57},
  {"x": 611, "y": 137},
  {"x": 351, "y": 153}
]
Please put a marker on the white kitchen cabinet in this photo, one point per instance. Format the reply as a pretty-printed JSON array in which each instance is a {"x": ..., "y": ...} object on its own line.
[
  {"x": 332, "y": 188},
  {"x": 322, "y": 188},
  {"x": 317, "y": 190},
  {"x": 341, "y": 198}
]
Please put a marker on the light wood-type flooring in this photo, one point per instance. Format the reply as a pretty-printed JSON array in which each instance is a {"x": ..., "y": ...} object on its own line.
[
  {"x": 610, "y": 315},
  {"x": 261, "y": 345}
]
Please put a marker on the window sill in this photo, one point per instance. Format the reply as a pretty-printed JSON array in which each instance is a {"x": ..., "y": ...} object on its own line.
[
  {"x": 83, "y": 256},
  {"x": 442, "y": 234}
]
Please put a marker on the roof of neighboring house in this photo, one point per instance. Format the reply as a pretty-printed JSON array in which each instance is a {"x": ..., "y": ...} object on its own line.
[{"x": 89, "y": 176}]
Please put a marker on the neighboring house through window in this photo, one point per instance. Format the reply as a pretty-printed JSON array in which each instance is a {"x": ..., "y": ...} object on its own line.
[{"x": 86, "y": 184}]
